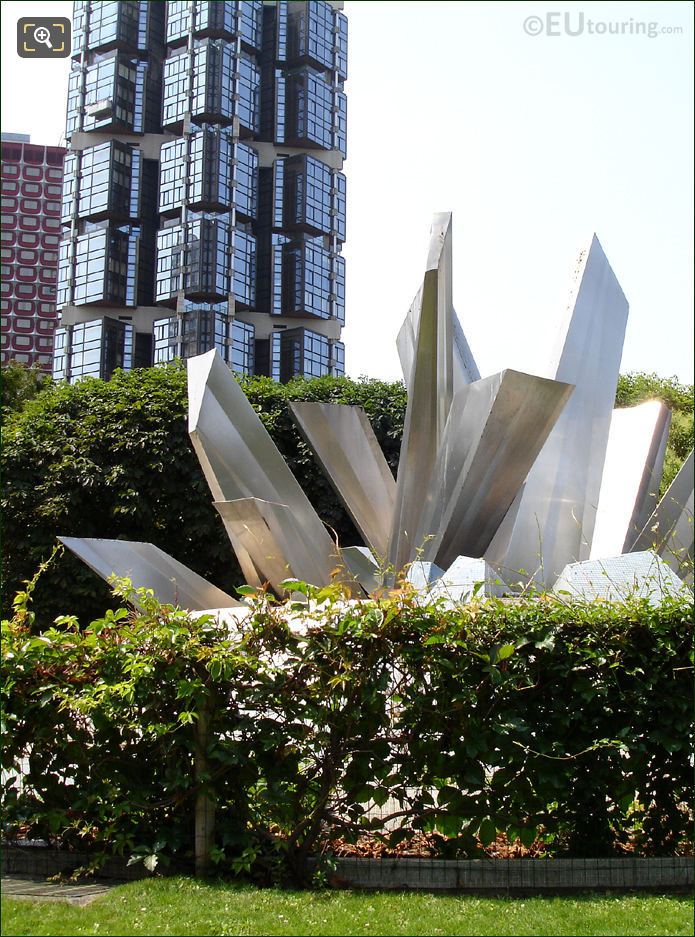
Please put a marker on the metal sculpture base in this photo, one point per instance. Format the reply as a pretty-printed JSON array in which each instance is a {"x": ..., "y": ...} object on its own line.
[{"x": 641, "y": 575}]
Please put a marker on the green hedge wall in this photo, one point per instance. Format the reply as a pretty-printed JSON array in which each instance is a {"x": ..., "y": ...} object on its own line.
[{"x": 561, "y": 724}]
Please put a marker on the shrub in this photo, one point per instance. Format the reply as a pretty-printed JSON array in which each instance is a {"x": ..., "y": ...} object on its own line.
[
  {"x": 20, "y": 384},
  {"x": 564, "y": 724}
]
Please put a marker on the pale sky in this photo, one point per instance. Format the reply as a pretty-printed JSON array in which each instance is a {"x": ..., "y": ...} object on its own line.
[{"x": 533, "y": 141}]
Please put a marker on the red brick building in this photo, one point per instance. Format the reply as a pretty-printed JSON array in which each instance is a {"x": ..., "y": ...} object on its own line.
[{"x": 32, "y": 179}]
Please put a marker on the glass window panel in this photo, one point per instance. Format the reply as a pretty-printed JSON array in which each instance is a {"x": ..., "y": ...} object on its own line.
[
  {"x": 175, "y": 93},
  {"x": 92, "y": 349},
  {"x": 251, "y": 22},
  {"x": 249, "y": 93},
  {"x": 178, "y": 19},
  {"x": 244, "y": 280},
  {"x": 315, "y": 112},
  {"x": 103, "y": 268},
  {"x": 243, "y": 346},
  {"x": 172, "y": 171},
  {"x": 246, "y": 192},
  {"x": 112, "y": 21}
]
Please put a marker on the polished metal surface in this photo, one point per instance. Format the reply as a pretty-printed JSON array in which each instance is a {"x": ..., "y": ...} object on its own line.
[
  {"x": 149, "y": 567},
  {"x": 363, "y": 566},
  {"x": 465, "y": 369},
  {"x": 641, "y": 575},
  {"x": 631, "y": 476},
  {"x": 430, "y": 392},
  {"x": 344, "y": 443},
  {"x": 669, "y": 530},
  {"x": 422, "y": 574},
  {"x": 496, "y": 428},
  {"x": 467, "y": 577},
  {"x": 405, "y": 340},
  {"x": 265, "y": 532},
  {"x": 240, "y": 460},
  {"x": 468, "y": 444},
  {"x": 551, "y": 522}
]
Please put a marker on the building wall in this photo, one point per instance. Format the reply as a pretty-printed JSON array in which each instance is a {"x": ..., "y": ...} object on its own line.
[
  {"x": 31, "y": 188},
  {"x": 203, "y": 203}
]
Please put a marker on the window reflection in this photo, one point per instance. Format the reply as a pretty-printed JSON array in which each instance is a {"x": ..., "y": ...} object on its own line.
[
  {"x": 200, "y": 329},
  {"x": 314, "y": 111},
  {"x": 104, "y": 180},
  {"x": 209, "y": 182},
  {"x": 103, "y": 268},
  {"x": 219, "y": 18},
  {"x": 216, "y": 95},
  {"x": 309, "y": 197},
  {"x": 305, "y": 353},
  {"x": 92, "y": 349}
]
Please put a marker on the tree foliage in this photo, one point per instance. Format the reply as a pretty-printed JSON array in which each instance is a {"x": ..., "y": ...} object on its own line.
[
  {"x": 20, "y": 384},
  {"x": 535, "y": 718}
]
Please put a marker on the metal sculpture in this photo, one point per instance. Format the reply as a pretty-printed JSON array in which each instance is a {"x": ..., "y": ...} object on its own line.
[
  {"x": 631, "y": 476},
  {"x": 506, "y": 478},
  {"x": 344, "y": 443},
  {"x": 552, "y": 521},
  {"x": 241, "y": 463},
  {"x": 669, "y": 531},
  {"x": 614, "y": 579},
  {"x": 149, "y": 567}
]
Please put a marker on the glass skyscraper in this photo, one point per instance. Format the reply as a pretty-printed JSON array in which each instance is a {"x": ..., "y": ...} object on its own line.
[{"x": 203, "y": 198}]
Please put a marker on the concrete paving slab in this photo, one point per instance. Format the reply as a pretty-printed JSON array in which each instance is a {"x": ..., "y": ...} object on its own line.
[{"x": 38, "y": 889}]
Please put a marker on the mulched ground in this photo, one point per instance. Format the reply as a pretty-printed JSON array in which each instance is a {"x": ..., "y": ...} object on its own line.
[{"x": 429, "y": 845}]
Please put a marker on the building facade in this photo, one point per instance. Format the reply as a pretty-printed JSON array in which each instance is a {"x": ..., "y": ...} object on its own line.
[
  {"x": 203, "y": 200},
  {"x": 31, "y": 181}
]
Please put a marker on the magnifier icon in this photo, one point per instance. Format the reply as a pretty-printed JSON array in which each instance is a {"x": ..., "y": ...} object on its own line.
[{"x": 43, "y": 35}]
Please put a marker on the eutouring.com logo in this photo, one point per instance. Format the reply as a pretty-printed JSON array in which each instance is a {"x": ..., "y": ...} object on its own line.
[
  {"x": 43, "y": 37},
  {"x": 579, "y": 24}
]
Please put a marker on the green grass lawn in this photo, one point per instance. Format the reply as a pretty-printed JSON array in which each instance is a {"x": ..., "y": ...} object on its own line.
[{"x": 183, "y": 906}]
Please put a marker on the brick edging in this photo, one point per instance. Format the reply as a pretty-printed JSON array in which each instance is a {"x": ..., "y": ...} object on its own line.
[
  {"x": 474, "y": 875},
  {"x": 42, "y": 862},
  {"x": 516, "y": 875}
]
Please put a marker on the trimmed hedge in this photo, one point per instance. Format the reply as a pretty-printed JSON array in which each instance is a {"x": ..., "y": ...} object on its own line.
[{"x": 561, "y": 724}]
